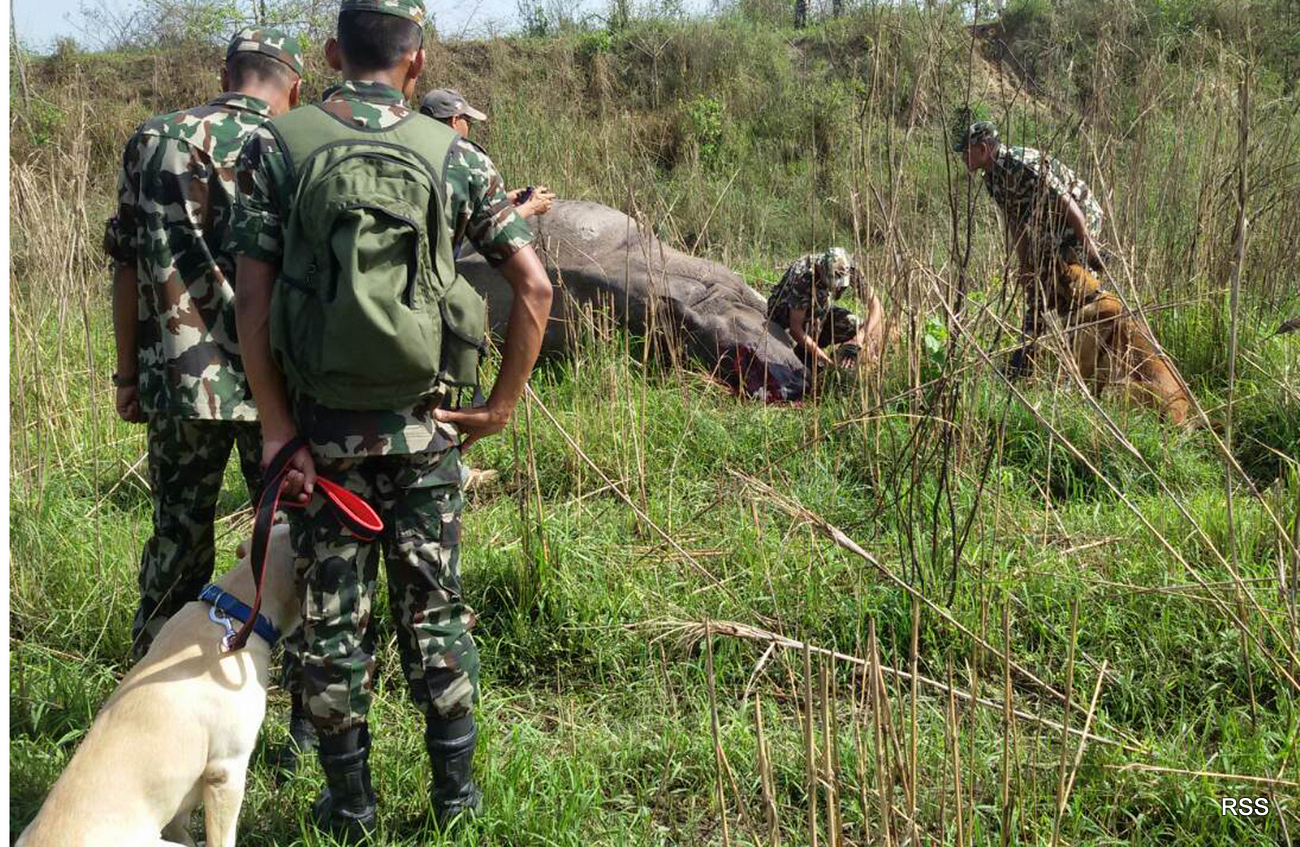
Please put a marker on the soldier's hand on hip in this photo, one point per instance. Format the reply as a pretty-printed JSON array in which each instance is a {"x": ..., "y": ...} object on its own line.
[
  {"x": 128, "y": 404},
  {"x": 474, "y": 423}
]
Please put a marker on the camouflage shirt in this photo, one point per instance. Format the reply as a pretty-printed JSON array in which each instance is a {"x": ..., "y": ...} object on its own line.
[
  {"x": 800, "y": 288},
  {"x": 477, "y": 209},
  {"x": 1027, "y": 184},
  {"x": 176, "y": 194}
]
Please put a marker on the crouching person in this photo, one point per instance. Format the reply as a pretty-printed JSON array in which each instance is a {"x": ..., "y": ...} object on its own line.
[
  {"x": 360, "y": 339},
  {"x": 801, "y": 304}
]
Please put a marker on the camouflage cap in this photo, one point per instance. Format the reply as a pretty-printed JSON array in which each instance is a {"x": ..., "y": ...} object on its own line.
[
  {"x": 448, "y": 103},
  {"x": 412, "y": 10},
  {"x": 837, "y": 268},
  {"x": 271, "y": 42},
  {"x": 974, "y": 134}
]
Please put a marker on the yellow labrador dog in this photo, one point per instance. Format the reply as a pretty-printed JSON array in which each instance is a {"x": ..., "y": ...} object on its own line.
[{"x": 180, "y": 727}]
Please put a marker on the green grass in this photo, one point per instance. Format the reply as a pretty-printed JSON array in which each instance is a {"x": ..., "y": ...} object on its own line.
[{"x": 596, "y": 732}]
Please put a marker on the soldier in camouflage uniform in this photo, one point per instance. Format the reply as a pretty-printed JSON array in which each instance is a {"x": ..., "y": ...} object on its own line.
[
  {"x": 178, "y": 363},
  {"x": 1052, "y": 222},
  {"x": 801, "y": 304},
  {"x": 404, "y": 461},
  {"x": 448, "y": 106}
]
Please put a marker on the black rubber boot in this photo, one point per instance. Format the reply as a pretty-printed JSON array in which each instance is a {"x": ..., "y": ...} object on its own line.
[
  {"x": 302, "y": 738},
  {"x": 451, "y": 754},
  {"x": 346, "y": 807}
]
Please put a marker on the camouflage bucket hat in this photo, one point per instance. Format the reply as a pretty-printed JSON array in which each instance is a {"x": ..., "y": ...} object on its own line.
[
  {"x": 271, "y": 42},
  {"x": 974, "y": 134},
  {"x": 412, "y": 10},
  {"x": 837, "y": 268}
]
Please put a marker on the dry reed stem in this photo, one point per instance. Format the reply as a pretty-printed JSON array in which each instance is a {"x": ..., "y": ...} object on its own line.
[
  {"x": 883, "y": 779},
  {"x": 798, "y": 510},
  {"x": 758, "y": 669},
  {"x": 1065, "y": 736},
  {"x": 745, "y": 817},
  {"x": 1275, "y": 782},
  {"x": 717, "y": 741},
  {"x": 952, "y": 735},
  {"x": 765, "y": 783},
  {"x": 690, "y": 631},
  {"x": 535, "y": 483},
  {"x": 1008, "y": 719},
  {"x": 810, "y": 748},
  {"x": 1083, "y": 742},
  {"x": 860, "y": 759},
  {"x": 887, "y": 721},
  {"x": 973, "y": 672},
  {"x": 914, "y": 698},
  {"x": 829, "y": 739}
]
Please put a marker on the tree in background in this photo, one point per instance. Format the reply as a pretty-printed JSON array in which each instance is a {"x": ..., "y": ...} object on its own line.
[{"x": 148, "y": 23}]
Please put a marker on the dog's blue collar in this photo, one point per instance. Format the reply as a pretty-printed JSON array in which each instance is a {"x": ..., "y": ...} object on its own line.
[{"x": 231, "y": 605}]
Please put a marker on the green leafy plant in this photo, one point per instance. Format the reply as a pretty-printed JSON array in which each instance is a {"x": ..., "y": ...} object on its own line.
[
  {"x": 705, "y": 120},
  {"x": 934, "y": 343}
]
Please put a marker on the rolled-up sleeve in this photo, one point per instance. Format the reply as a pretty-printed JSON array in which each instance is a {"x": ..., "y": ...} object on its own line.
[
  {"x": 121, "y": 238},
  {"x": 480, "y": 210}
]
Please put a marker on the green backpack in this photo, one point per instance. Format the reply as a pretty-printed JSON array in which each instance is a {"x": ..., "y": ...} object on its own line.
[{"x": 368, "y": 311}]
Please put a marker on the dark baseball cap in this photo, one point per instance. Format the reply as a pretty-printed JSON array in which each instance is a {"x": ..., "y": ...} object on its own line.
[{"x": 447, "y": 103}]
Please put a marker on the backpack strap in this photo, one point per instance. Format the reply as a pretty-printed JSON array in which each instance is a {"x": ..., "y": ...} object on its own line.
[
  {"x": 434, "y": 143},
  {"x": 285, "y": 151},
  {"x": 301, "y": 133}
]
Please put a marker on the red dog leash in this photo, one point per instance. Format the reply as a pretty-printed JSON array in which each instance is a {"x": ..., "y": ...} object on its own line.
[{"x": 353, "y": 512}]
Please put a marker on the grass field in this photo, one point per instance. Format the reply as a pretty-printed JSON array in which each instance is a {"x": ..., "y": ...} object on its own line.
[{"x": 926, "y": 608}]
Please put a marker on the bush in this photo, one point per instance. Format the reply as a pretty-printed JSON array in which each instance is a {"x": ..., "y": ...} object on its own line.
[
  {"x": 44, "y": 121},
  {"x": 705, "y": 118}
]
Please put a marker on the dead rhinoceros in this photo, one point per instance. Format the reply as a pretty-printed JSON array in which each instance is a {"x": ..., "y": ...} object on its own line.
[{"x": 599, "y": 257}]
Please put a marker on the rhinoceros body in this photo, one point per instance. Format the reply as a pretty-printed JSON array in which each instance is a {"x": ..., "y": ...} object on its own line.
[{"x": 599, "y": 257}]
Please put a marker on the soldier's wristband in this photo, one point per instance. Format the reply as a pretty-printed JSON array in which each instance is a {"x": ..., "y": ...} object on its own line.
[{"x": 126, "y": 381}]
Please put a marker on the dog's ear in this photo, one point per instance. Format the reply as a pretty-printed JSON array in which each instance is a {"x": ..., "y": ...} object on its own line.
[{"x": 241, "y": 551}]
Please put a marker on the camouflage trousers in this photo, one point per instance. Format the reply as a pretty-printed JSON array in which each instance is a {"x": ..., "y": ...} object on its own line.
[
  {"x": 419, "y": 498},
  {"x": 187, "y": 460}
]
